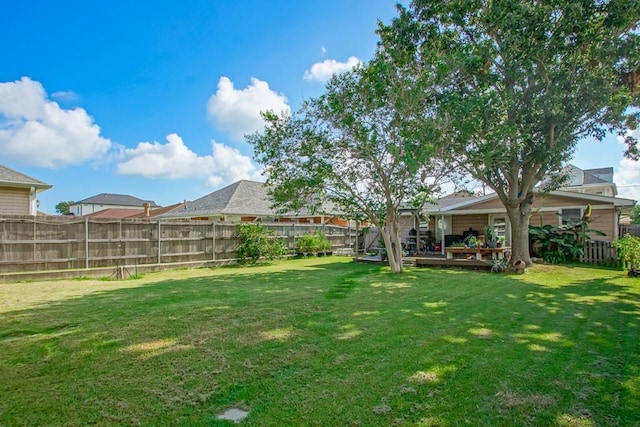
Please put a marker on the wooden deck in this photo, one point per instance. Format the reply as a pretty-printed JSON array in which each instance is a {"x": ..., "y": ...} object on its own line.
[
  {"x": 431, "y": 261},
  {"x": 472, "y": 264}
]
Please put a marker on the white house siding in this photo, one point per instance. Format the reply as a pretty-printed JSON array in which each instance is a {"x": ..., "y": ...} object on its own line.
[{"x": 14, "y": 201}]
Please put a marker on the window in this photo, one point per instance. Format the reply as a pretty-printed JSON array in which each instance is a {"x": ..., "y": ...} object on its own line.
[
  {"x": 500, "y": 227},
  {"x": 573, "y": 215}
]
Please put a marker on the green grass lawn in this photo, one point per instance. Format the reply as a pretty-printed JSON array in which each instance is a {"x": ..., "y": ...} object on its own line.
[{"x": 324, "y": 342}]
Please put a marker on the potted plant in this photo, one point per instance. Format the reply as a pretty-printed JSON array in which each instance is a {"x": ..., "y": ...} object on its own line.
[
  {"x": 490, "y": 236},
  {"x": 473, "y": 242}
]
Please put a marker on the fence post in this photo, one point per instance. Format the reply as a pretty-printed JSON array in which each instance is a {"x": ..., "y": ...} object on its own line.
[
  {"x": 35, "y": 242},
  {"x": 293, "y": 234},
  {"x": 213, "y": 245},
  {"x": 86, "y": 243},
  {"x": 159, "y": 244}
]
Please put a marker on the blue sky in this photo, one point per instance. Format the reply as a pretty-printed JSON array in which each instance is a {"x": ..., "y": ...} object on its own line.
[{"x": 152, "y": 98}]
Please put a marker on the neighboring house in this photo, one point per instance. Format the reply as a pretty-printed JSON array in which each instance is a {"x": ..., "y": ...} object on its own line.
[
  {"x": 592, "y": 181},
  {"x": 121, "y": 213},
  {"x": 245, "y": 201},
  {"x": 19, "y": 192},
  {"x": 104, "y": 201},
  {"x": 456, "y": 214},
  {"x": 151, "y": 213}
]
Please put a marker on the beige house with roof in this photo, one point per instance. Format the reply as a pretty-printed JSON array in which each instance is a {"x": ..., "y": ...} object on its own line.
[
  {"x": 19, "y": 192},
  {"x": 456, "y": 215},
  {"x": 248, "y": 201}
]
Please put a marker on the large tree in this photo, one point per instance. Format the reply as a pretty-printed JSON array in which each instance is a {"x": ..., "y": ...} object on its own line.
[
  {"x": 354, "y": 146},
  {"x": 516, "y": 83}
]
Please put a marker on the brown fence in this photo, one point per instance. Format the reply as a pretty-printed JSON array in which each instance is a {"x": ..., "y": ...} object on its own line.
[
  {"x": 54, "y": 243},
  {"x": 599, "y": 252},
  {"x": 633, "y": 229}
]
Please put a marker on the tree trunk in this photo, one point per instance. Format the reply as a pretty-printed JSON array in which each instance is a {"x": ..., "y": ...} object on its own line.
[
  {"x": 519, "y": 217},
  {"x": 392, "y": 244}
]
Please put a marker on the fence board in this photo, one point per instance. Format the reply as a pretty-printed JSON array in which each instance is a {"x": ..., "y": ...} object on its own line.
[
  {"x": 600, "y": 253},
  {"x": 52, "y": 243}
]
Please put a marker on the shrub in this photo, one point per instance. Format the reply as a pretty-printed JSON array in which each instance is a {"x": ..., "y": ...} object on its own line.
[
  {"x": 256, "y": 242},
  {"x": 313, "y": 243},
  {"x": 561, "y": 244},
  {"x": 629, "y": 251}
]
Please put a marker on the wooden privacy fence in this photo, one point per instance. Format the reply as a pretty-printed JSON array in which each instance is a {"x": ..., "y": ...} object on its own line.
[
  {"x": 599, "y": 252},
  {"x": 54, "y": 243},
  {"x": 633, "y": 229}
]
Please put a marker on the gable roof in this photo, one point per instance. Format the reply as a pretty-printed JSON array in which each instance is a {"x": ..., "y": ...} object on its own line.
[
  {"x": 240, "y": 198},
  {"x": 451, "y": 199},
  {"x": 615, "y": 201},
  {"x": 243, "y": 197},
  {"x": 13, "y": 178},
  {"x": 158, "y": 211},
  {"x": 598, "y": 176},
  {"x": 113, "y": 213},
  {"x": 580, "y": 177},
  {"x": 115, "y": 199}
]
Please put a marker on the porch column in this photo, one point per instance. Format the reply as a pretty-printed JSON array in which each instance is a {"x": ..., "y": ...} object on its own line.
[{"x": 442, "y": 234}]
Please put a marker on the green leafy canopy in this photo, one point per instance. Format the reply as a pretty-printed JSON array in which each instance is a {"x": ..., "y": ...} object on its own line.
[{"x": 515, "y": 84}]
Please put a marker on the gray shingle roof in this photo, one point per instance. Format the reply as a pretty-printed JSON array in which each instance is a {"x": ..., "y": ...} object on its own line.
[
  {"x": 115, "y": 199},
  {"x": 598, "y": 176},
  {"x": 240, "y": 198},
  {"x": 449, "y": 200},
  {"x": 14, "y": 178}
]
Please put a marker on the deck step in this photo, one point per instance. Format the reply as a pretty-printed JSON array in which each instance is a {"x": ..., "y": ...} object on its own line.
[{"x": 409, "y": 262}]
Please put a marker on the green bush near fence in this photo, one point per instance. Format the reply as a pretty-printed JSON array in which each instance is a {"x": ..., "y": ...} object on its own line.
[
  {"x": 629, "y": 251},
  {"x": 313, "y": 243},
  {"x": 564, "y": 243},
  {"x": 256, "y": 242}
]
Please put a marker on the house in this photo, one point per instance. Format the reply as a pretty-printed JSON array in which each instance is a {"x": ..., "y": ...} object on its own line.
[
  {"x": 457, "y": 214},
  {"x": 246, "y": 201},
  {"x": 104, "y": 201},
  {"x": 121, "y": 213},
  {"x": 19, "y": 192},
  {"x": 592, "y": 181}
]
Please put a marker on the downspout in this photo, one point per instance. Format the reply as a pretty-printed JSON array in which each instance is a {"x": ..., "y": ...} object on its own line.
[{"x": 33, "y": 210}]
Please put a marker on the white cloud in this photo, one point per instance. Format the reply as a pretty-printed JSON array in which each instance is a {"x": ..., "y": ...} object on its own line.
[
  {"x": 322, "y": 71},
  {"x": 175, "y": 160},
  {"x": 323, "y": 50},
  {"x": 35, "y": 131},
  {"x": 237, "y": 111},
  {"x": 627, "y": 178},
  {"x": 65, "y": 96}
]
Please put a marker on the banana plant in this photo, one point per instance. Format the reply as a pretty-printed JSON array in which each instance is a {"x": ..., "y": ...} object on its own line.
[{"x": 563, "y": 243}]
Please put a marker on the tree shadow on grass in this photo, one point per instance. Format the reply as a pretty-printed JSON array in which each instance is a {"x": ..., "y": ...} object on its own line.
[
  {"x": 566, "y": 353},
  {"x": 350, "y": 340}
]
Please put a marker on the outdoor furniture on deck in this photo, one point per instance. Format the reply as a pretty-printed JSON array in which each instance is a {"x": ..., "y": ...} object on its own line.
[{"x": 480, "y": 253}]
